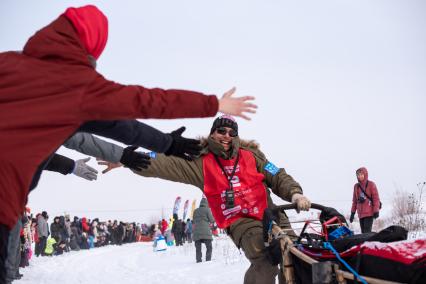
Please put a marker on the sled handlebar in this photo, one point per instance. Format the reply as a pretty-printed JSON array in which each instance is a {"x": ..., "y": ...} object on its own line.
[{"x": 294, "y": 206}]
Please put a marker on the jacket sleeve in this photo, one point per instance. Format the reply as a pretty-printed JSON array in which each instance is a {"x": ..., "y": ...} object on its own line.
[
  {"x": 90, "y": 145},
  {"x": 354, "y": 200},
  {"x": 210, "y": 215},
  {"x": 103, "y": 100},
  {"x": 42, "y": 228},
  {"x": 130, "y": 132},
  {"x": 175, "y": 169},
  {"x": 277, "y": 179},
  {"x": 60, "y": 164},
  {"x": 375, "y": 197}
]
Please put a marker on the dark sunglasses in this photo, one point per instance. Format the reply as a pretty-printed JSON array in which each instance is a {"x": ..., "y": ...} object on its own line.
[{"x": 223, "y": 131}]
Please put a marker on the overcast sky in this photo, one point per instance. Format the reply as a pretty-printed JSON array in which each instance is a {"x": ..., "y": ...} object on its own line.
[{"x": 339, "y": 84}]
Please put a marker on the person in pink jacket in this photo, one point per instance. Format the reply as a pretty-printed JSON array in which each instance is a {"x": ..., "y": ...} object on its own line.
[{"x": 365, "y": 201}]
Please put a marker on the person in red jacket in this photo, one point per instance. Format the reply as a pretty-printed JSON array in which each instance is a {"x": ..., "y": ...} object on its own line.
[
  {"x": 164, "y": 226},
  {"x": 365, "y": 201},
  {"x": 84, "y": 226},
  {"x": 51, "y": 88}
]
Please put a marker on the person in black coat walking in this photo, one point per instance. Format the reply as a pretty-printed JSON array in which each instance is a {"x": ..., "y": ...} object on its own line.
[{"x": 177, "y": 230}]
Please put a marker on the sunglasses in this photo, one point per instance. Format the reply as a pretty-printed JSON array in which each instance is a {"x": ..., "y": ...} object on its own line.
[{"x": 223, "y": 131}]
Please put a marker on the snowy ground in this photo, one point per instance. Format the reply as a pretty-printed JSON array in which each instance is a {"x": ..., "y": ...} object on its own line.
[{"x": 137, "y": 263}]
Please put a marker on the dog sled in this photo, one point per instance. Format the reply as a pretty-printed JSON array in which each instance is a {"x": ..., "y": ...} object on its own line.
[{"x": 334, "y": 254}]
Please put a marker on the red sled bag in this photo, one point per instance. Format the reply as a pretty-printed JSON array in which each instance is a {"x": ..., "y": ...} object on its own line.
[{"x": 403, "y": 261}]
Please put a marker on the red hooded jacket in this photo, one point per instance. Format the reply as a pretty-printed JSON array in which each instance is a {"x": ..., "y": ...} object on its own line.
[
  {"x": 50, "y": 89},
  {"x": 164, "y": 226},
  {"x": 84, "y": 225},
  {"x": 366, "y": 208}
]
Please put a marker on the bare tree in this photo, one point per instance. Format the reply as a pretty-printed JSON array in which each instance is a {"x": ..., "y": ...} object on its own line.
[
  {"x": 379, "y": 224},
  {"x": 408, "y": 209}
]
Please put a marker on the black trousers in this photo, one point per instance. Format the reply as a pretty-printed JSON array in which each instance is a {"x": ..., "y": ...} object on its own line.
[
  {"x": 178, "y": 239},
  {"x": 198, "y": 254},
  {"x": 13, "y": 252},
  {"x": 366, "y": 224},
  {"x": 40, "y": 246},
  {"x": 4, "y": 238}
]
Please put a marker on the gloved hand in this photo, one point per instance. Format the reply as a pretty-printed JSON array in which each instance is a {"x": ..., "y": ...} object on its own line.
[
  {"x": 376, "y": 215},
  {"x": 273, "y": 252},
  {"x": 134, "y": 160},
  {"x": 302, "y": 202},
  {"x": 81, "y": 169},
  {"x": 351, "y": 219},
  {"x": 183, "y": 147}
]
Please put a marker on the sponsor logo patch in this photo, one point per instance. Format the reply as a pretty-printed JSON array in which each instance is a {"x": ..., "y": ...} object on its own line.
[{"x": 271, "y": 168}]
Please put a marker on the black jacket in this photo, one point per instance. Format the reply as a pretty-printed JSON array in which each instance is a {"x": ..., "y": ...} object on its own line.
[
  {"x": 130, "y": 132},
  {"x": 60, "y": 164}
]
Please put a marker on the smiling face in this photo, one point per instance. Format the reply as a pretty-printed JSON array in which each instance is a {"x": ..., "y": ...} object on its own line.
[{"x": 224, "y": 136}]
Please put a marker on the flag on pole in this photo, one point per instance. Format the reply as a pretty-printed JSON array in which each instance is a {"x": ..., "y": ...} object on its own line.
[
  {"x": 193, "y": 208},
  {"x": 177, "y": 205},
  {"x": 185, "y": 209}
]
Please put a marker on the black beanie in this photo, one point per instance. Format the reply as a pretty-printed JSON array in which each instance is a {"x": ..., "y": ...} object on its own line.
[{"x": 224, "y": 121}]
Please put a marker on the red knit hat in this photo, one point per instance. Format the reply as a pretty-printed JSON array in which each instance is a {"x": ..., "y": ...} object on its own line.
[{"x": 92, "y": 28}]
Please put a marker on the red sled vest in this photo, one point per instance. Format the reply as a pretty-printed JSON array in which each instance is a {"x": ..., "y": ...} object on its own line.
[{"x": 249, "y": 190}]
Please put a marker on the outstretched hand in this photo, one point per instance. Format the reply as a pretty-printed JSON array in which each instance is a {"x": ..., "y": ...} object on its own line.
[
  {"x": 83, "y": 170},
  {"x": 134, "y": 160},
  {"x": 109, "y": 165},
  {"x": 236, "y": 106},
  {"x": 183, "y": 147}
]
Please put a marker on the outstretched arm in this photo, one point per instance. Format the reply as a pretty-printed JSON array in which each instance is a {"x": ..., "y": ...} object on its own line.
[
  {"x": 130, "y": 132},
  {"x": 133, "y": 132},
  {"x": 60, "y": 164},
  {"x": 104, "y": 99},
  {"x": 65, "y": 166},
  {"x": 175, "y": 169},
  {"x": 172, "y": 169},
  {"x": 90, "y": 145}
]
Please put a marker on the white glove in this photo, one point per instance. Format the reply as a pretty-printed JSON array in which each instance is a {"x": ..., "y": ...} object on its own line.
[
  {"x": 302, "y": 202},
  {"x": 81, "y": 169}
]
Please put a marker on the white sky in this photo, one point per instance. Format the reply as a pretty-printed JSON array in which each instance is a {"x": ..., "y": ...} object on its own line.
[{"x": 339, "y": 84}]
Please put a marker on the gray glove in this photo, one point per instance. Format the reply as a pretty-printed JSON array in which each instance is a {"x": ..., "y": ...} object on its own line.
[{"x": 83, "y": 170}]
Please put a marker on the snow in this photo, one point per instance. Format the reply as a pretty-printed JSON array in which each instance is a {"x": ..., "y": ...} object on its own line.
[
  {"x": 138, "y": 263},
  {"x": 414, "y": 235}
]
